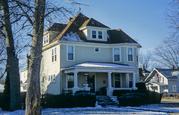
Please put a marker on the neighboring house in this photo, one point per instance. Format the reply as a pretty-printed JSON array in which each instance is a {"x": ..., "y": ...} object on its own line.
[
  {"x": 163, "y": 81},
  {"x": 85, "y": 54},
  {"x": 23, "y": 80}
]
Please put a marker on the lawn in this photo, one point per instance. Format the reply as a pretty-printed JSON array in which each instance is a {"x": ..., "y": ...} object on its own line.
[{"x": 90, "y": 111}]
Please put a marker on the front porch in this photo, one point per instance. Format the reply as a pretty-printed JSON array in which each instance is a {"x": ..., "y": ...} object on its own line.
[{"x": 94, "y": 79}]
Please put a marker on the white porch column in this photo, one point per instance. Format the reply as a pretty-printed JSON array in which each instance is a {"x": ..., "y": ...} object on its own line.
[
  {"x": 75, "y": 88},
  {"x": 109, "y": 89},
  {"x": 134, "y": 81}
]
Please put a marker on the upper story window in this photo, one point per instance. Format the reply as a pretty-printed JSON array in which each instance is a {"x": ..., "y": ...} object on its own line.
[
  {"x": 70, "y": 53},
  {"x": 54, "y": 55},
  {"x": 116, "y": 54},
  {"x": 100, "y": 34},
  {"x": 45, "y": 39},
  {"x": 130, "y": 54},
  {"x": 93, "y": 34}
]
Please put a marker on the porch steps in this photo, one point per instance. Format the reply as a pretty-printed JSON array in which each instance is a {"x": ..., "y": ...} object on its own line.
[{"x": 106, "y": 101}]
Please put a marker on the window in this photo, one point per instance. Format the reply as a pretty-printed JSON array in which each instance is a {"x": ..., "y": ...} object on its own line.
[
  {"x": 93, "y": 34},
  {"x": 117, "y": 80},
  {"x": 130, "y": 54},
  {"x": 54, "y": 55},
  {"x": 100, "y": 35},
  {"x": 70, "y": 79},
  {"x": 45, "y": 39},
  {"x": 130, "y": 80},
  {"x": 51, "y": 78},
  {"x": 70, "y": 55},
  {"x": 173, "y": 88},
  {"x": 116, "y": 54},
  {"x": 96, "y": 49}
]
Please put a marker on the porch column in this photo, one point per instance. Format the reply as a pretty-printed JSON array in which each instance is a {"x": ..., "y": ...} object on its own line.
[
  {"x": 109, "y": 89},
  {"x": 134, "y": 81},
  {"x": 75, "y": 88}
]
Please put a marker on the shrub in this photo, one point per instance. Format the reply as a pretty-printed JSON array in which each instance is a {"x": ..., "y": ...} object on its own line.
[
  {"x": 139, "y": 98},
  {"x": 67, "y": 101},
  {"x": 122, "y": 92},
  {"x": 141, "y": 87}
]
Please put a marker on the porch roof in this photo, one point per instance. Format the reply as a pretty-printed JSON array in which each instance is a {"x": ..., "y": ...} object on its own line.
[{"x": 100, "y": 66}]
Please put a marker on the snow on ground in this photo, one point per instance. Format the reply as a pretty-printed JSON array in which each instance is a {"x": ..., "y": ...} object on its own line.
[
  {"x": 158, "y": 108},
  {"x": 89, "y": 111}
]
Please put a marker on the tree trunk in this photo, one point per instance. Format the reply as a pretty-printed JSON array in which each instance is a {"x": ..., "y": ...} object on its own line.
[
  {"x": 33, "y": 89},
  {"x": 12, "y": 60}
]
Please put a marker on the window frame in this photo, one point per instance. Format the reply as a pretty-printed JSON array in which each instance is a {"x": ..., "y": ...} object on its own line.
[
  {"x": 54, "y": 54},
  {"x": 100, "y": 35},
  {"x": 46, "y": 39},
  {"x": 128, "y": 54},
  {"x": 67, "y": 48},
  {"x": 119, "y": 54},
  {"x": 93, "y": 33}
]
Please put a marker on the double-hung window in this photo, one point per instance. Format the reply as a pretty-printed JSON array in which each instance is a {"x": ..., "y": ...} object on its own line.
[
  {"x": 93, "y": 34},
  {"x": 70, "y": 53},
  {"x": 100, "y": 35},
  {"x": 130, "y": 54},
  {"x": 54, "y": 55},
  {"x": 116, "y": 54}
]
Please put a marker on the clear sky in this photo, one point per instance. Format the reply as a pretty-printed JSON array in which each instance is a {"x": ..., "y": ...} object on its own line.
[{"x": 143, "y": 20}]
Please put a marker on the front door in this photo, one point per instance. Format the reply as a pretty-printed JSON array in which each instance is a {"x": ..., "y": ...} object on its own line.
[{"x": 91, "y": 82}]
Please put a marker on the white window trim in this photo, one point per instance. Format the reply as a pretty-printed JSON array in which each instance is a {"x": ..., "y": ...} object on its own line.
[
  {"x": 101, "y": 34},
  {"x": 54, "y": 54},
  {"x": 119, "y": 54},
  {"x": 97, "y": 33},
  {"x": 46, "y": 39},
  {"x": 67, "y": 46},
  {"x": 132, "y": 54},
  {"x": 92, "y": 34}
]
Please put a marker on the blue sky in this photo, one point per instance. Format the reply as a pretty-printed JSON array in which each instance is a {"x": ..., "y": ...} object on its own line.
[{"x": 143, "y": 20}]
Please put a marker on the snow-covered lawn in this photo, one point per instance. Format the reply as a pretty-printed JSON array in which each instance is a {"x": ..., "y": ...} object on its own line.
[
  {"x": 90, "y": 111},
  {"x": 159, "y": 108}
]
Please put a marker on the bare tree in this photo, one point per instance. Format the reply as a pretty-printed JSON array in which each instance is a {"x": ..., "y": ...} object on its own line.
[
  {"x": 33, "y": 91},
  {"x": 167, "y": 54},
  {"x": 145, "y": 60},
  {"x": 12, "y": 66}
]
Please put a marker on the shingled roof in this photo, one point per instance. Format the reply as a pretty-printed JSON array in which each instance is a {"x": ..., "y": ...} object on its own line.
[
  {"x": 57, "y": 27},
  {"x": 80, "y": 20}
]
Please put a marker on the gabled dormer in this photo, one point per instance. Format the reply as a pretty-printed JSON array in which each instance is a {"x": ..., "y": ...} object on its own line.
[{"x": 94, "y": 30}]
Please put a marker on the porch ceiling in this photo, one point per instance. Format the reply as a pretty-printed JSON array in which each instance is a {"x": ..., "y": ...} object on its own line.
[{"x": 96, "y": 66}]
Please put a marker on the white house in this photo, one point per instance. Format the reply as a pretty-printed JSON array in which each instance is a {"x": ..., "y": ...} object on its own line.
[
  {"x": 23, "y": 80},
  {"x": 163, "y": 80},
  {"x": 85, "y": 54}
]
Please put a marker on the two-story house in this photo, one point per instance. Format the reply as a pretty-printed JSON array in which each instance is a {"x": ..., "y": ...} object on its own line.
[{"x": 85, "y": 54}]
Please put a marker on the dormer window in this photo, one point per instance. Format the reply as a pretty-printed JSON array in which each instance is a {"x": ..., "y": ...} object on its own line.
[
  {"x": 93, "y": 34},
  {"x": 100, "y": 35}
]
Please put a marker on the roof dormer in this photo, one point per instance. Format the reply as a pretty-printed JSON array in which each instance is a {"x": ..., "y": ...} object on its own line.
[{"x": 94, "y": 30}]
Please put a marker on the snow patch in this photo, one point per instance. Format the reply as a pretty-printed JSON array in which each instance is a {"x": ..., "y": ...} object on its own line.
[{"x": 71, "y": 37}]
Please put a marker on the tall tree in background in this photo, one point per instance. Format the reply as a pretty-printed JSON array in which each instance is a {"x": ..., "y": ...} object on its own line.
[
  {"x": 33, "y": 91},
  {"x": 13, "y": 79}
]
